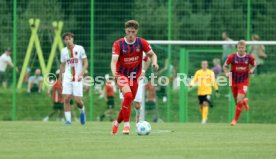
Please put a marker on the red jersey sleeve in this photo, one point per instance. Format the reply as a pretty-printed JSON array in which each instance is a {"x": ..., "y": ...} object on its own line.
[
  {"x": 252, "y": 60},
  {"x": 229, "y": 59},
  {"x": 116, "y": 48},
  {"x": 146, "y": 46},
  {"x": 145, "y": 57}
]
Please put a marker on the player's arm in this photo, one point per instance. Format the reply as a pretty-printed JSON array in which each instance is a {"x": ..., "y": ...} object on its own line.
[
  {"x": 194, "y": 80},
  {"x": 149, "y": 52},
  {"x": 62, "y": 69},
  {"x": 214, "y": 83},
  {"x": 153, "y": 57},
  {"x": 84, "y": 63},
  {"x": 164, "y": 68},
  {"x": 146, "y": 66},
  {"x": 113, "y": 63},
  {"x": 84, "y": 67},
  {"x": 114, "y": 58},
  {"x": 9, "y": 62},
  {"x": 61, "y": 66},
  {"x": 253, "y": 69},
  {"x": 225, "y": 65},
  {"x": 253, "y": 64}
]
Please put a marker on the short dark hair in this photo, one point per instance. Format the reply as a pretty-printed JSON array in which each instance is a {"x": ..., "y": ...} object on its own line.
[
  {"x": 68, "y": 34},
  {"x": 132, "y": 24}
]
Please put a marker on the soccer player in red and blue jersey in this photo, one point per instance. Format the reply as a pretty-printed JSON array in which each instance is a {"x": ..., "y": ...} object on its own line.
[
  {"x": 240, "y": 62},
  {"x": 126, "y": 66}
]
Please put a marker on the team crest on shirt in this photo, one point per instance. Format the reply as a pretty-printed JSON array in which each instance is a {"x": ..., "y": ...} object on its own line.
[
  {"x": 76, "y": 53},
  {"x": 138, "y": 49},
  {"x": 246, "y": 61}
]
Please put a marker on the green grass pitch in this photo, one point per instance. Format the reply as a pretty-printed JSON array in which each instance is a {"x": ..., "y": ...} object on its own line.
[{"x": 32, "y": 140}]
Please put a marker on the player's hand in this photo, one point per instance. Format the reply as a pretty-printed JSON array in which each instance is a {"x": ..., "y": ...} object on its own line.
[
  {"x": 115, "y": 77},
  {"x": 155, "y": 66},
  {"x": 80, "y": 78},
  {"x": 251, "y": 71},
  {"x": 227, "y": 74}
]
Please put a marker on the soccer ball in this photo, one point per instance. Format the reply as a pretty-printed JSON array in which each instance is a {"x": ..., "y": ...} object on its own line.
[{"x": 143, "y": 128}]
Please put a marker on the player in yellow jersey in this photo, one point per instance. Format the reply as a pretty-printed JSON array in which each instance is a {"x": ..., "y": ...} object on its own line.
[{"x": 205, "y": 79}]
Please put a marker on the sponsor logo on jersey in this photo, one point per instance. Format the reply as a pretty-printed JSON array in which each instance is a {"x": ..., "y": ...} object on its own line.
[
  {"x": 72, "y": 61},
  {"x": 131, "y": 59},
  {"x": 240, "y": 68},
  {"x": 138, "y": 49}
]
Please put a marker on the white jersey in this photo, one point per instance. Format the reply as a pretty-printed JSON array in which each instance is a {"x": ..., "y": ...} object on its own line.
[
  {"x": 4, "y": 60},
  {"x": 73, "y": 59}
]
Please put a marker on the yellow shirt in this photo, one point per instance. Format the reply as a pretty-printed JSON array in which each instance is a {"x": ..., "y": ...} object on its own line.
[{"x": 205, "y": 79}]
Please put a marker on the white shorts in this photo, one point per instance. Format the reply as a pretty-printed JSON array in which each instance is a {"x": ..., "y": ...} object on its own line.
[
  {"x": 72, "y": 88},
  {"x": 139, "y": 94}
]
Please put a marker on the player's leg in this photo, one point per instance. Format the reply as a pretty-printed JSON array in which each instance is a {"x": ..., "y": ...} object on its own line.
[
  {"x": 138, "y": 100},
  {"x": 126, "y": 108},
  {"x": 204, "y": 112},
  {"x": 73, "y": 113},
  {"x": 200, "y": 101},
  {"x": 137, "y": 106},
  {"x": 243, "y": 90},
  {"x": 245, "y": 104},
  {"x": 124, "y": 114},
  {"x": 128, "y": 98},
  {"x": 239, "y": 103},
  {"x": 67, "y": 91},
  {"x": 3, "y": 80},
  {"x": 67, "y": 108},
  {"x": 45, "y": 119},
  {"x": 80, "y": 105},
  {"x": 78, "y": 93}
]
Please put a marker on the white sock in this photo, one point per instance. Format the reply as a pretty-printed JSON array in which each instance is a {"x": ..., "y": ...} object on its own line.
[
  {"x": 116, "y": 123},
  {"x": 126, "y": 123},
  {"x": 67, "y": 116},
  {"x": 137, "y": 115},
  {"x": 82, "y": 109}
]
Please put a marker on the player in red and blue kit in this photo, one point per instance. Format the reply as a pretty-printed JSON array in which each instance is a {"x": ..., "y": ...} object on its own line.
[
  {"x": 126, "y": 66},
  {"x": 240, "y": 62}
]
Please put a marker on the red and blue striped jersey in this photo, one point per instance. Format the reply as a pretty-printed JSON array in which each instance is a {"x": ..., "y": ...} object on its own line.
[
  {"x": 240, "y": 67},
  {"x": 130, "y": 56}
]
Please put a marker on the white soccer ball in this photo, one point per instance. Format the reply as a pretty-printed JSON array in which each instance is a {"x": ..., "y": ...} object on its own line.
[{"x": 143, "y": 128}]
